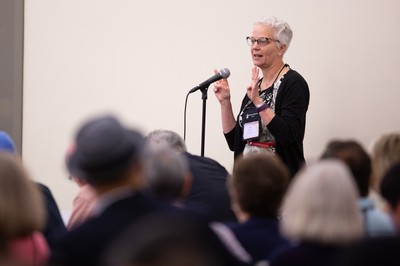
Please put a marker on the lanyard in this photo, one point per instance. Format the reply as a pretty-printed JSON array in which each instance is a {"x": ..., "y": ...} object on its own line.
[
  {"x": 259, "y": 82},
  {"x": 259, "y": 89}
]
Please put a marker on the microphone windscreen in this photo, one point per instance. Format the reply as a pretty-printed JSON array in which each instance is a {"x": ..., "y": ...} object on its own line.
[{"x": 225, "y": 73}]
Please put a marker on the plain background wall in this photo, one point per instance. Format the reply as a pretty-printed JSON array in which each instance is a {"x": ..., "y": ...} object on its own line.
[{"x": 138, "y": 60}]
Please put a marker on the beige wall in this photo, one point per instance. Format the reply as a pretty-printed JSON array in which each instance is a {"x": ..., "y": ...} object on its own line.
[{"x": 138, "y": 59}]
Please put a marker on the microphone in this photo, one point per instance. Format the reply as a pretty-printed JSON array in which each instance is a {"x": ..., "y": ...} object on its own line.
[{"x": 222, "y": 74}]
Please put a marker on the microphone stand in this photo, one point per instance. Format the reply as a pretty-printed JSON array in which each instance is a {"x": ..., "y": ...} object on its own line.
[{"x": 203, "y": 124}]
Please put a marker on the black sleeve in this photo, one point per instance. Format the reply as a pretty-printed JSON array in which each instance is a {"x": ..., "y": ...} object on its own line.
[
  {"x": 234, "y": 137},
  {"x": 289, "y": 121},
  {"x": 55, "y": 226}
]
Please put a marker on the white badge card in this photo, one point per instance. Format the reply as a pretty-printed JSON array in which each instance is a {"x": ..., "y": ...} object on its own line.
[{"x": 251, "y": 130}]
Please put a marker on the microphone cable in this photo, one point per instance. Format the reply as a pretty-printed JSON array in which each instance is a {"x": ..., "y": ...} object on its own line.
[{"x": 184, "y": 117}]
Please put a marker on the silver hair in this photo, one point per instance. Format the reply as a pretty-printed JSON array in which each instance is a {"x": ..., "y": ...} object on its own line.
[
  {"x": 165, "y": 138},
  {"x": 165, "y": 173},
  {"x": 321, "y": 205},
  {"x": 281, "y": 28}
]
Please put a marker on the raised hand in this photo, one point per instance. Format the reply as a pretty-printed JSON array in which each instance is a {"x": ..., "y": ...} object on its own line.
[
  {"x": 252, "y": 90},
  {"x": 221, "y": 90}
]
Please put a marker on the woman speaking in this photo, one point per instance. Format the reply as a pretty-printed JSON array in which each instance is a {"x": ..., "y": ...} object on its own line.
[{"x": 272, "y": 116}]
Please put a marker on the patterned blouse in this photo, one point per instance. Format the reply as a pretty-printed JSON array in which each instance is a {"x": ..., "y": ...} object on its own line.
[{"x": 268, "y": 96}]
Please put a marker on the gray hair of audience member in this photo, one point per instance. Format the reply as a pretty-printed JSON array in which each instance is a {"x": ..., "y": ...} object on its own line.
[
  {"x": 321, "y": 205},
  {"x": 166, "y": 173},
  {"x": 385, "y": 154},
  {"x": 282, "y": 31},
  {"x": 159, "y": 138}
]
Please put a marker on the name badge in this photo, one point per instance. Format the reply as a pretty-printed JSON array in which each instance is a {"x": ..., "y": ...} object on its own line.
[{"x": 251, "y": 124}]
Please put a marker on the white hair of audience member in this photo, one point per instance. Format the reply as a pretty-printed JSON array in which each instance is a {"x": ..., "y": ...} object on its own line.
[
  {"x": 321, "y": 205},
  {"x": 165, "y": 138},
  {"x": 167, "y": 173}
]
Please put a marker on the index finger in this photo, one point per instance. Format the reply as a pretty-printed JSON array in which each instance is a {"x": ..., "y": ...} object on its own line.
[{"x": 255, "y": 72}]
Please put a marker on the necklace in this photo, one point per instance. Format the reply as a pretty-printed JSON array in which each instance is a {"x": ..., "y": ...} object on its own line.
[{"x": 259, "y": 83}]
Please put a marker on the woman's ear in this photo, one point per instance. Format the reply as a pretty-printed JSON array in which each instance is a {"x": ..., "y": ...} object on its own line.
[{"x": 282, "y": 49}]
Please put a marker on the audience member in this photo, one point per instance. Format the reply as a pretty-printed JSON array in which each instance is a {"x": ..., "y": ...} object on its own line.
[
  {"x": 22, "y": 215},
  {"x": 257, "y": 186},
  {"x": 374, "y": 251},
  {"x": 320, "y": 214},
  {"x": 385, "y": 154},
  {"x": 167, "y": 175},
  {"x": 54, "y": 223},
  {"x": 169, "y": 239},
  {"x": 84, "y": 201},
  {"x": 208, "y": 193},
  {"x": 376, "y": 222},
  {"x": 108, "y": 156},
  {"x": 390, "y": 191},
  {"x": 169, "y": 179}
]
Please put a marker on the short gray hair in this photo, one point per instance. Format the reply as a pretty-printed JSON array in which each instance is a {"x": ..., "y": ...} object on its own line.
[
  {"x": 165, "y": 138},
  {"x": 165, "y": 173},
  {"x": 321, "y": 205},
  {"x": 281, "y": 28}
]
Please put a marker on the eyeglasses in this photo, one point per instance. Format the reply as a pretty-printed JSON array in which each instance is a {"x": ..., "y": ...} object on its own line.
[{"x": 263, "y": 41}]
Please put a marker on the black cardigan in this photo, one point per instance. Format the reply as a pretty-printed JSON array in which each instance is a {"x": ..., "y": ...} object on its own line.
[{"x": 288, "y": 125}]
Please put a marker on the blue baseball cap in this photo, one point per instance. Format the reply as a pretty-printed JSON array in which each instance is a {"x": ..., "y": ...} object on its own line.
[{"x": 6, "y": 143}]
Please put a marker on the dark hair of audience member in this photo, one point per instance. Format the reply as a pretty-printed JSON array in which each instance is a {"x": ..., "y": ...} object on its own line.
[
  {"x": 390, "y": 186},
  {"x": 249, "y": 182},
  {"x": 356, "y": 158}
]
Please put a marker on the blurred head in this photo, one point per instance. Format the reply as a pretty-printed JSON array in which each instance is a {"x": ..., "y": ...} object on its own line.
[
  {"x": 385, "y": 154},
  {"x": 166, "y": 239},
  {"x": 258, "y": 184},
  {"x": 21, "y": 204},
  {"x": 355, "y": 157},
  {"x": 167, "y": 174},
  {"x": 106, "y": 152},
  {"x": 165, "y": 138},
  {"x": 321, "y": 205},
  {"x": 390, "y": 187},
  {"x": 76, "y": 179}
]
